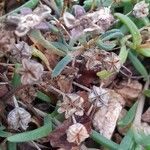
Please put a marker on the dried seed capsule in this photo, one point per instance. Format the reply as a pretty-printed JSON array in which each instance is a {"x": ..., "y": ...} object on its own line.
[
  {"x": 72, "y": 104},
  {"x": 19, "y": 117},
  {"x": 141, "y": 9},
  {"x": 77, "y": 133},
  {"x": 31, "y": 71}
]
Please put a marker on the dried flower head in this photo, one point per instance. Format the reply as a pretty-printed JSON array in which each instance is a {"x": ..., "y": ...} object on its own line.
[
  {"x": 77, "y": 133},
  {"x": 103, "y": 18},
  {"x": 27, "y": 20},
  {"x": 31, "y": 71},
  {"x": 141, "y": 9},
  {"x": 96, "y": 22},
  {"x": 22, "y": 50},
  {"x": 92, "y": 59},
  {"x": 79, "y": 26},
  {"x": 99, "y": 96},
  {"x": 72, "y": 104},
  {"x": 112, "y": 62},
  {"x": 19, "y": 117}
]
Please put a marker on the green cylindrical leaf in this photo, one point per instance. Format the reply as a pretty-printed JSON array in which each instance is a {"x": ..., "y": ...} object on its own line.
[
  {"x": 31, "y": 135},
  {"x": 144, "y": 51},
  {"x": 43, "y": 96},
  {"x": 129, "y": 116},
  {"x": 98, "y": 138},
  {"x": 61, "y": 65},
  {"x": 38, "y": 37},
  {"x": 16, "y": 80},
  {"x": 136, "y": 36},
  {"x": 127, "y": 142},
  {"x": 123, "y": 55},
  {"x": 138, "y": 65}
]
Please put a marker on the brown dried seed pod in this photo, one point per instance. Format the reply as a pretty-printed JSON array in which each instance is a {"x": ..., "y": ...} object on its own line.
[
  {"x": 72, "y": 104},
  {"x": 77, "y": 133},
  {"x": 141, "y": 9},
  {"x": 18, "y": 117},
  {"x": 99, "y": 96},
  {"x": 31, "y": 71}
]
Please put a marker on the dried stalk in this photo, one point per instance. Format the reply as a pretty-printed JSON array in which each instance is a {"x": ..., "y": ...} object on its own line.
[{"x": 141, "y": 102}]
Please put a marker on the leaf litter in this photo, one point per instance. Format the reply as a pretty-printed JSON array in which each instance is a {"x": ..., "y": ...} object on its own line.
[{"x": 72, "y": 74}]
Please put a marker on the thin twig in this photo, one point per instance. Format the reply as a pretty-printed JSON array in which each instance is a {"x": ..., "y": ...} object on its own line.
[
  {"x": 82, "y": 86},
  {"x": 56, "y": 90},
  {"x": 39, "y": 112},
  {"x": 35, "y": 145}
]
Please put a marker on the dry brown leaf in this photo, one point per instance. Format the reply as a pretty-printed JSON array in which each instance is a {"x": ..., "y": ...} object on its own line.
[
  {"x": 86, "y": 104},
  {"x": 105, "y": 118},
  {"x": 58, "y": 136},
  {"x": 52, "y": 58},
  {"x": 146, "y": 116},
  {"x": 3, "y": 90},
  {"x": 117, "y": 138},
  {"x": 65, "y": 84},
  {"x": 2, "y": 7},
  {"x": 7, "y": 40},
  {"x": 129, "y": 91},
  {"x": 87, "y": 78},
  {"x": 27, "y": 94}
]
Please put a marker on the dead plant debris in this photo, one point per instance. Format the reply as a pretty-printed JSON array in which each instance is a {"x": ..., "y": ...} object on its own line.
[{"x": 74, "y": 75}]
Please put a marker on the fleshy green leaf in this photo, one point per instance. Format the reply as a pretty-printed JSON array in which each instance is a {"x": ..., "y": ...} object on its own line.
[
  {"x": 123, "y": 55},
  {"x": 147, "y": 93},
  {"x": 4, "y": 134},
  {"x": 60, "y": 46},
  {"x": 43, "y": 96},
  {"x": 142, "y": 139},
  {"x": 100, "y": 139},
  {"x": 129, "y": 116},
  {"x": 32, "y": 135},
  {"x": 136, "y": 36},
  {"x": 12, "y": 146},
  {"x": 104, "y": 42},
  {"x": 139, "y": 147},
  {"x": 61, "y": 65},
  {"x": 16, "y": 80},
  {"x": 112, "y": 34},
  {"x": 30, "y": 4},
  {"x": 88, "y": 4},
  {"x": 104, "y": 74},
  {"x": 127, "y": 142},
  {"x": 144, "y": 51},
  {"x": 147, "y": 147},
  {"x": 138, "y": 65},
  {"x": 39, "y": 54},
  {"x": 38, "y": 37},
  {"x": 106, "y": 46}
]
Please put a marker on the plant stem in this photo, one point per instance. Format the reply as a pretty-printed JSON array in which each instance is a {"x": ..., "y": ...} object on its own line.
[
  {"x": 141, "y": 102},
  {"x": 82, "y": 86},
  {"x": 15, "y": 102}
]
